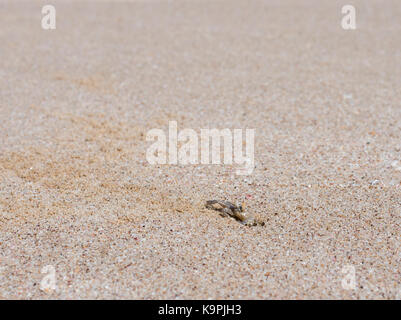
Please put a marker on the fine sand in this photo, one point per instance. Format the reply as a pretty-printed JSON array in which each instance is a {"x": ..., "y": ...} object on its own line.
[{"x": 76, "y": 190}]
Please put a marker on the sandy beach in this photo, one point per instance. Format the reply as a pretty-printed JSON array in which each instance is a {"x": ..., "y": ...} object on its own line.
[{"x": 78, "y": 194}]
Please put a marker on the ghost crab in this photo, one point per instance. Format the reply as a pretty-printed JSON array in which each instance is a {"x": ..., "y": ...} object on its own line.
[{"x": 228, "y": 209}]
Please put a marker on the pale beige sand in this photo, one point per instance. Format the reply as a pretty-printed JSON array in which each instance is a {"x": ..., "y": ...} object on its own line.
[{"x": 77, "y": 193}]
